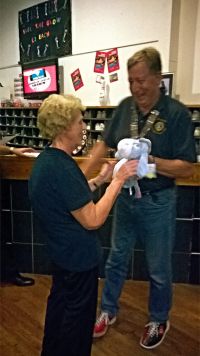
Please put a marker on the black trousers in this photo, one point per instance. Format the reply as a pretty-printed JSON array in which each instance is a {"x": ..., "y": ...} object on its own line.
[{"x": 70, "y": 314}]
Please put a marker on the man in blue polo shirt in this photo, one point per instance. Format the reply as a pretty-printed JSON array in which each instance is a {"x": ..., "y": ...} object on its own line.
[{"x": 152, "y": 217}]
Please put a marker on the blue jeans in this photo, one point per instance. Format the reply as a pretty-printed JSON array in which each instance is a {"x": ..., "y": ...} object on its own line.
[{"x": 152, "y": 220}]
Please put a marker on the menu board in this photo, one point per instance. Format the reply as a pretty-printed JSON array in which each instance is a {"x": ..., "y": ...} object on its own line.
[{"x": 45, "y": 31}]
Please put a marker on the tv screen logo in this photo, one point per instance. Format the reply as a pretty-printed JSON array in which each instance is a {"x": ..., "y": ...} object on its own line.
[
  {"x": 39, "y": 80},
  {"x": 38, "y": 74},
  {"x": 42, "y": 79}
]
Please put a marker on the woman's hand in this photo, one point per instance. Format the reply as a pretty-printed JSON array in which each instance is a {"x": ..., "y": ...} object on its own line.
[
  {"x": 127, "y": 170},
  {"x": 92, "y": 216},
  {"x": 104, "y": 175}
]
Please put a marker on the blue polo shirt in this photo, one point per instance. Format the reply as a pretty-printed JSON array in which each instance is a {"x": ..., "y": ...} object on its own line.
[{"x": 171, "y": 135}]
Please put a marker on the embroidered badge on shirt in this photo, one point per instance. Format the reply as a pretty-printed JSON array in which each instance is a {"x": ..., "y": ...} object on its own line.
[{"x": 159, "y": 127}]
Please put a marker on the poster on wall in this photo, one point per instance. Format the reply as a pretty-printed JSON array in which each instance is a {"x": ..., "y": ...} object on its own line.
[
  {"x": 77, "y": 79},
  {"x": 100, "y": 60},
  {"x": 113, "y": 77},
  {"x": 45, "y": 31},
  {"x": 112, "y": 60}
]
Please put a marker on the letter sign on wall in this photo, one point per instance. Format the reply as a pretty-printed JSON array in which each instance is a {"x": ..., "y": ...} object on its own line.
[{"x": 45, "y": 31}]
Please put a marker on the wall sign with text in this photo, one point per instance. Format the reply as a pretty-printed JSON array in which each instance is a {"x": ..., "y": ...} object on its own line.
[{"x": 45, "y": 31}]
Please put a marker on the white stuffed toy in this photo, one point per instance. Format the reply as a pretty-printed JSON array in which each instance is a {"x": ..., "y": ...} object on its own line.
[{"x": 130, "y": 148}]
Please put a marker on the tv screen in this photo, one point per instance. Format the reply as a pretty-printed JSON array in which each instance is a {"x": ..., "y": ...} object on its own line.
[{"x": 40, "y": 79}]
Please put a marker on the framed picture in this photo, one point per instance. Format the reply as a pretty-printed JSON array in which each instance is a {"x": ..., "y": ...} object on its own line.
[{"x": 166, "y": 83}]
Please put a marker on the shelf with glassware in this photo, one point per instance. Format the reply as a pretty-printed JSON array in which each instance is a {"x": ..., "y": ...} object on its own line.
[
  {"x": 20, "y": 125},
  {"x": 96, "y": 119}
]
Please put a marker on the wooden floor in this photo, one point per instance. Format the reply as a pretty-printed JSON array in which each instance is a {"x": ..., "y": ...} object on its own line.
[{"x": 23, "y": 310}]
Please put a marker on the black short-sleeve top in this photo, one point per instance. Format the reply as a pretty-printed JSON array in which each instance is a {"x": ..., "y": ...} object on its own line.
[{"x": 57, "y": 186}]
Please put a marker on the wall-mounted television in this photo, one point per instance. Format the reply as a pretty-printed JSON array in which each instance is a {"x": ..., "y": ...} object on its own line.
[{"x": 40, "y": 79}]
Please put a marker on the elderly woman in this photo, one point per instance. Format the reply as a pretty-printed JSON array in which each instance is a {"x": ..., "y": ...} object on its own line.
[{"x": 62, "y": 200}]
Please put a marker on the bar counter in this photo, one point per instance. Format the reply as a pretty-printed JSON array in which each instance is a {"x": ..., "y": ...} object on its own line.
[
  {"x": 19, "y": 168},
  {"x": 19, "y": 225}
]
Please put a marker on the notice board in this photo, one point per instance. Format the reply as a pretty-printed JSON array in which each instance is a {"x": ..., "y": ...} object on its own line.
[{"x": 45, "y": 31}]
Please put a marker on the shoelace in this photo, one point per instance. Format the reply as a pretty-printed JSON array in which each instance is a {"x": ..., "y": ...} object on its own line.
[
  {"x": 102, "y": 316},
  {"x": 153, "y": 328}
]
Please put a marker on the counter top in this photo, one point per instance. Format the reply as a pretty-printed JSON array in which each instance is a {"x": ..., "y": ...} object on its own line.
[{"x": 19, "y": 168}]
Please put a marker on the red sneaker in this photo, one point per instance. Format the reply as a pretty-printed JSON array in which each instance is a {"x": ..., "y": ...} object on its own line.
[{"x": 102, "y": 323}]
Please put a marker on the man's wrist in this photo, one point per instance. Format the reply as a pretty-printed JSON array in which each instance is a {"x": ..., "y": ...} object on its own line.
[
  {"x": 152, "y": 159},
  {"x": 11, "y": 150}
]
